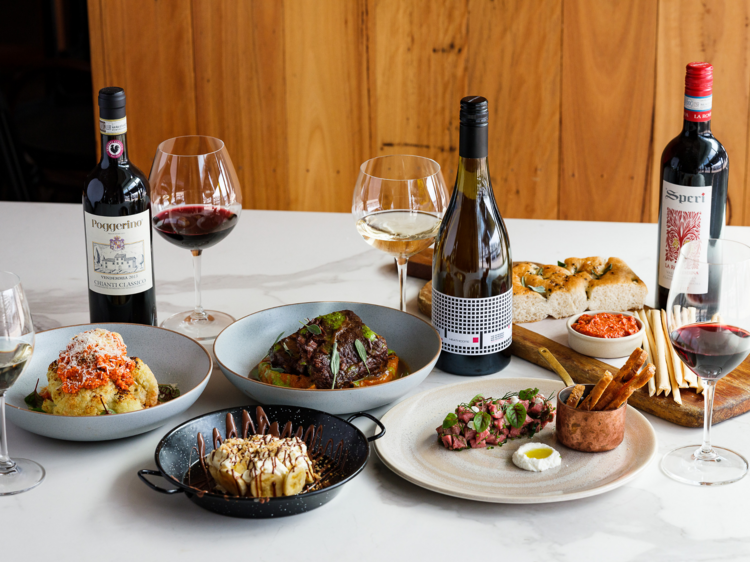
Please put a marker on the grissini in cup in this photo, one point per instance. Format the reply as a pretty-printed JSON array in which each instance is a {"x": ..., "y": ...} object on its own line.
[{"x": 596, "y": 393}]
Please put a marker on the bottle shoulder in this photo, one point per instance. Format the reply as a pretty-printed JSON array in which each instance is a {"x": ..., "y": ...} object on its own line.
[
  {"x": 694, "y": 154},
  {"x": 116, "y": 190}
]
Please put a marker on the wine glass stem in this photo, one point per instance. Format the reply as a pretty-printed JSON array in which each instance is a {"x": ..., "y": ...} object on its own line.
[
  {"x": 708, "y": 404},
  {"x": 6, "y": 465},
  {"x": 198, "y": 313},
  {"x": 401, "y": 265}
]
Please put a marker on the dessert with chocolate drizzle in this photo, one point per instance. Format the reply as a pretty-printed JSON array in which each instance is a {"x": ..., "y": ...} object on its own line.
[{"x": 266, "y": 462}]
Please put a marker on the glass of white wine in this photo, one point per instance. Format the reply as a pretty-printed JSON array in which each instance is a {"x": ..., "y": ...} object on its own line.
[
  {"x": 16, "y": 348},
  {"x": 398, "y": 203}
]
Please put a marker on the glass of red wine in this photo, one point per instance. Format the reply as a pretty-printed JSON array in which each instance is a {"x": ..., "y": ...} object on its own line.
[
  {"x": 708, "y": 316},
  {"x": 196, "y": 201}
]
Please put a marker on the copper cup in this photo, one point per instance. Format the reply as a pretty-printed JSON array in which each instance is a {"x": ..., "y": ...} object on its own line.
[{"x": 589, "y": 432}]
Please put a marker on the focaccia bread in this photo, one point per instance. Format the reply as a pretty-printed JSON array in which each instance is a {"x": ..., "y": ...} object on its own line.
[{"x": 583, "y": 284}]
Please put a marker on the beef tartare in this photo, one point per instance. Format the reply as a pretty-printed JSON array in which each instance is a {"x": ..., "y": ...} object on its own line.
[{"x": 488, "y": 422}]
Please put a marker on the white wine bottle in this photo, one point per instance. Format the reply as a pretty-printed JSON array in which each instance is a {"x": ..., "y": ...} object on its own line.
[{"x": 472, "y": 284}]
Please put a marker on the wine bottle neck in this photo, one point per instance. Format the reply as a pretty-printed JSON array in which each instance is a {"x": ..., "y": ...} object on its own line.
[
  {"x": 697, "y": 114},
  {"x": 114, "y": 143},
  {"x": 696, "y": 127},
  {"x": 114, "y": 150},
  {"x": 473, "y": 177},
  {"x": 472, "y": 141}
]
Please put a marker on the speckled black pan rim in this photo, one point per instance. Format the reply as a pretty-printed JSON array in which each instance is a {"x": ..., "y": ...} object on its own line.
[
  {"x": 282, "y": 499},
  {"x": 286, "y": 388}
]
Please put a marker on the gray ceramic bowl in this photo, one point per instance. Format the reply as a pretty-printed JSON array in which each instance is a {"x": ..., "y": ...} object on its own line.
[
  {"x": 241, "y": 346},
  {"x": 172, "y": 357}
]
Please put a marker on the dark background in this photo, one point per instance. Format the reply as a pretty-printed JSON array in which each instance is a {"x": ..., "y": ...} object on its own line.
[{"x": 45, "y": 96}]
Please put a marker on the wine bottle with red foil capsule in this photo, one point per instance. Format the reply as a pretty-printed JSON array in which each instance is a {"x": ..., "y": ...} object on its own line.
[
  {"x": 117, "y": 223},
  {"x": 694, "y": 177}
]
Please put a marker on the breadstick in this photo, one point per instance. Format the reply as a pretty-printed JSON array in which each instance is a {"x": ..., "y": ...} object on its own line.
[
  {"x": 677, "y": 323},
  {"x": 672, "y": 359},
  {"x": 626, "y": 373},
  {"x": 575, "y": 395},
  {"x": 632, "y": 386},
  {"x": 681, "y": 317},
  {"x": 688, "y": 375},
  {"x": 596, "y": 392},
  {"x": 647, "y": 349},
  {"x": 692, "y": 319},
  {"x": 651, "y": 343},
  {"x": 662, "y": 372}
]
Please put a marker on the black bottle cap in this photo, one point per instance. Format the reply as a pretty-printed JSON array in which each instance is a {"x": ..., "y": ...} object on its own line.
[
  {"x": 112, "y": 103},
  {"x": 474, "y": 111},
  {"x": 472, "y": 138}
]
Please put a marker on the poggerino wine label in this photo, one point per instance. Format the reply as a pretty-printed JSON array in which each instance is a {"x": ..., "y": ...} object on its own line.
[
  {"x": 118, "y": 250},
  {"x": 473, "y": 326}
]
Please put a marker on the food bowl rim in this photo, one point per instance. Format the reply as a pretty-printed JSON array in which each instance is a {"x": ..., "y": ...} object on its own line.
[
  {"x": 604, "y": 341},
  {"x": 197, "y": 387},
  {"x": 288, "y": 388}
]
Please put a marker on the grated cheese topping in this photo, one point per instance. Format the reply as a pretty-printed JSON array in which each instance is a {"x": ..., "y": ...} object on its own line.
[{"x": 94, "y": 358}]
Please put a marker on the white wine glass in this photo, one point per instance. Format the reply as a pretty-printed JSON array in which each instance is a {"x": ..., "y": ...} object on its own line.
[
  {"x": 16, "y": 349},
  {"x": 399, "y": 203}
]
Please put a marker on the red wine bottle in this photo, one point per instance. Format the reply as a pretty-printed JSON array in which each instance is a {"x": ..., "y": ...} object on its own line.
[
  {"x": 694, "y": 176},
  {"x": 117, "y": 221},
  {"x": 472, "y": 279}
]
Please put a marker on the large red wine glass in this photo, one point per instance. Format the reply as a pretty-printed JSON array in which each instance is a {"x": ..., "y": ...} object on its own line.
[
  {"x": 197, "y": 202},
  {"x": 708, "y": 315}
]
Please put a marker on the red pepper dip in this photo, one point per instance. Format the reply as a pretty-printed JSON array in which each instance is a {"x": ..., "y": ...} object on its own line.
[{"x": 606, "y": 325}]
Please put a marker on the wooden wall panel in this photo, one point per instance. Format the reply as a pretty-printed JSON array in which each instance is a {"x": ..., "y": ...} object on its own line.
[
  {"x": 326, "y": 97},
  {"x": 515, "y": 63},
  {"x": 584, "y": 94},
  {"x": 241, "y": 93},
  {"x": 717, "y": 32},
  {"x": 146, "y": 47},
  {"x": 607, "y": 104},
  {"x": 418, "y": 63}
]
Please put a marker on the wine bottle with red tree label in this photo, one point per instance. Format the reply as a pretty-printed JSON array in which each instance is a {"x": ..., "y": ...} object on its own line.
[
  {"x": 694, "y": 176},
  {"x": 472, "y": 283},
  {"x": 117, "y": 222}
]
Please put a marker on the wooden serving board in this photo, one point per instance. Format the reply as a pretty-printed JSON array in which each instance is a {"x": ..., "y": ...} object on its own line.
[{"x": 732, "y": 392}]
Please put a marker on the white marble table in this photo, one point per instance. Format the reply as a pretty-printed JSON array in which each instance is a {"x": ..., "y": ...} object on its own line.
[{"x": 93, "y": 507}]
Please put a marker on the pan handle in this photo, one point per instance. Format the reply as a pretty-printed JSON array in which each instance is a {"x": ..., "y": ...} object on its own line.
[
  {"x": 141, "y": 475},
  {"x": 370, "y": 417}
]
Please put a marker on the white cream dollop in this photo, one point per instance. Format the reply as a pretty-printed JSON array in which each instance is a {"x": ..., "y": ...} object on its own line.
[{"x": 551, "y": 458}]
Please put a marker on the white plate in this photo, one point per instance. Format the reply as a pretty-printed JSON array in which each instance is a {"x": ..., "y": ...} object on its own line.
[
  {"x": 411, "y": 450},
  {"x": 172, "y": 357}
]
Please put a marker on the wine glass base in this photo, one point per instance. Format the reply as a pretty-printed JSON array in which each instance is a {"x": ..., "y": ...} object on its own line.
[
  {"x": 686, "y": 466},
  {"x": 207, "y": 329},
  {"x": 26, "y": 475}
]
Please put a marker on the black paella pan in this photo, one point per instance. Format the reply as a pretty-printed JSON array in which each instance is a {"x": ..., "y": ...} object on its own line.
[{"x": 176, "y": 455}]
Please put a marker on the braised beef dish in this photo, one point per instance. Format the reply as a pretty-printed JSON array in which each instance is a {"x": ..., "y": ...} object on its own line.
[{"x": 336, "y": 350}]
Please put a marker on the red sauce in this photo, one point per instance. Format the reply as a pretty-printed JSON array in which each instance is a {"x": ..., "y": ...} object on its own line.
[{"x": 606, "y": 325}]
